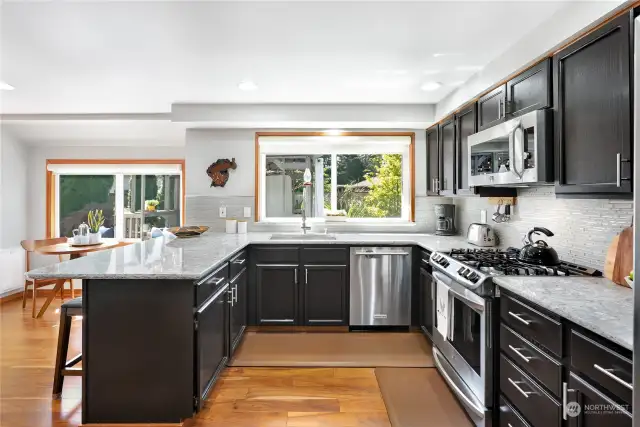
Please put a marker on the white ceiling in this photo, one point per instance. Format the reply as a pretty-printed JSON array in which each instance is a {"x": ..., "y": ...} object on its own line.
[{"x": 140, "y": 57}]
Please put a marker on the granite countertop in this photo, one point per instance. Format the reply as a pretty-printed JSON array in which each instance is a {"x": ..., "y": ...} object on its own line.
[
  {"x": 191, "y": 259},
  {"x": 595, "y": 303}
]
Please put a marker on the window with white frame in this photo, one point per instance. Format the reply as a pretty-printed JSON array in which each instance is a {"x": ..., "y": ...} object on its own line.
[
  {"x": 356, "y": 178},
  {"x": 133, "y": 198}
]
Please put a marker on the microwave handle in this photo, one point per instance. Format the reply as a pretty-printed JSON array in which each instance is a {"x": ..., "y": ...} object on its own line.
[{"x": 512, "y": 150}]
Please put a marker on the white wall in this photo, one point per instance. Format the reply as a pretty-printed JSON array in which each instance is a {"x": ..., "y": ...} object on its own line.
[
  {"x": 13, "y": 211},
  {"x": 545, "y": 38}
]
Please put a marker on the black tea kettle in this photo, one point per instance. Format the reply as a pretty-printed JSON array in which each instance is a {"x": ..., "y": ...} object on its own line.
[{"x": 539, "y": 252}]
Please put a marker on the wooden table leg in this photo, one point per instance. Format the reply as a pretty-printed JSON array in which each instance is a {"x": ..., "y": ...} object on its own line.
[{"x": 52, "y": 295}]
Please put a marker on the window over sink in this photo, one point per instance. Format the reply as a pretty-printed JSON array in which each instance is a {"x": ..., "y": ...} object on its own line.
[{"x": 355, "y": 177}]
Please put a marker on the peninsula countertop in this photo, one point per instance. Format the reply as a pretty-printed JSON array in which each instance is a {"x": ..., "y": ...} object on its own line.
[
  {"x": 191, "y": 259},
  {"x": 595, "y": 303}
]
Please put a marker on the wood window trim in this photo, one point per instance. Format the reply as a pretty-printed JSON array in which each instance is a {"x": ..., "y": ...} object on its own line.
[
  {"x": 412, "y": 161},
  {"x": 51, "y": 190}
]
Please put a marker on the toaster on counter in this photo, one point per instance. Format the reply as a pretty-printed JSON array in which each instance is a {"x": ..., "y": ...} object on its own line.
[{"x": 481, "y": 235}]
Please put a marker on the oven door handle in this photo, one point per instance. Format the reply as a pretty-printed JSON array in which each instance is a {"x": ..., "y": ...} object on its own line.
[
  {"x": 475, "y": 407},
  {"x": 471, "y": 303}
]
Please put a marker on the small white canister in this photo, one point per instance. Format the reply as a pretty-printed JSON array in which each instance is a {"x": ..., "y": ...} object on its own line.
[
  {"x": 231, "y": 226},
  {"x": 242, "y": 227}
]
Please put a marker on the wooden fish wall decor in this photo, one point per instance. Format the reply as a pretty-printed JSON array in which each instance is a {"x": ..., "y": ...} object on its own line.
[{"x": 219, "y": 171}]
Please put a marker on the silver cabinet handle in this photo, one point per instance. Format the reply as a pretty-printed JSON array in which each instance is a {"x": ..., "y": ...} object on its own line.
[
  {"x": 499, "y": 108},
  {"x": 230, "y": 301},
  {"x": 517, "y": 316},
  {"x": 239, "y": 261},
  {"x": 306, "y": 276},
  {"x": 216, "y": 282},
  {"x": 517, "y": 351},
  {"x": 618, "y": 169},
  {"x": 608, "y": 372},
  {"x": 383, "y": 253},
  {"x": 295, "y": 277},
  {"x": 234, "y": 295},
  {"x": 517, "y": 387}
]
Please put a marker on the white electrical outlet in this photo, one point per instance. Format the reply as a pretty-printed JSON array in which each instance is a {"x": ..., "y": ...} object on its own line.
[
  {"x": 223, "y": 212},
  {"x": 247, "y": 212}
]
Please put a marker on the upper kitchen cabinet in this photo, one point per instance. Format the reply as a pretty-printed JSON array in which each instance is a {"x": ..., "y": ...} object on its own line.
[
  {"x": 433, "y": 161},
  {"x": 447, "y": 139},
  {"x": 465, "y": 125},
  {"x": 530, "y": 90},
  {"x": 491, "y": 108},
  {"x": 593, "y": 111}
]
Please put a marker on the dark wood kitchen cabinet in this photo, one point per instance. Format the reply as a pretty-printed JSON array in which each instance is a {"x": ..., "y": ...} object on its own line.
[
  {"x": 530, "y": 90},
  {"x": 491, "y": 108},
  {"x": 596, "y": 409},
  {"x": 277, "y": 294},
  {"x": 325, "y": 295},
  {"x": 238, "y": 309},
  {"x": 465, "y": 124},
  {"x": 447, "y": 143},
  {"x": 593, "y": 111},
  {"x": 433, "y": 161},
  {"x": 427, "y": 302}
]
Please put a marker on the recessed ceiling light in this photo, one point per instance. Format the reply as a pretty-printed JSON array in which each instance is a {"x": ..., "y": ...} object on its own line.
[
  {"x": 429, "y": 86},
  {"x": 431, "y": 72},
  {"x": 458, "y": 83},
  {"x": 333, "y": 132},
  {"x": 469, "y": 68},
  {"x": 5, "y": 86},
  {"x": 247, "y": 85}
]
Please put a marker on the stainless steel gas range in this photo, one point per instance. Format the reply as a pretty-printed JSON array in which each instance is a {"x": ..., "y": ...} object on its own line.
[{"x": 465, "y": 329}]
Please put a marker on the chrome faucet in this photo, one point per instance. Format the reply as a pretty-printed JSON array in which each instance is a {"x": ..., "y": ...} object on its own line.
[{"x": 304, "y": 211}]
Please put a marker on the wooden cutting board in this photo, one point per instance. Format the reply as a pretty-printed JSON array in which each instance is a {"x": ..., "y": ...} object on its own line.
[{"x": 619, "y": 261}]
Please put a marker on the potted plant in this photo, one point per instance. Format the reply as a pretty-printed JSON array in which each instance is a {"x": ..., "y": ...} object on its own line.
[
  {"x": 95, "y": 220},
  {"x": 150, "y": 205}
]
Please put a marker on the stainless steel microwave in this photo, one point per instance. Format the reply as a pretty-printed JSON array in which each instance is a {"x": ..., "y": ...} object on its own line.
[{"x": 518, "y": 152}]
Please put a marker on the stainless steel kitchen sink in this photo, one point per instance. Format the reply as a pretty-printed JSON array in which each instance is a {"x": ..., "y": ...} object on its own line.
[{"x": 300, "y": 236}]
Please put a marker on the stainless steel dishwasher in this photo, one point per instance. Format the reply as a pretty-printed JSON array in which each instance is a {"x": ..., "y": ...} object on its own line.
[{"x": 380, "y": 285}]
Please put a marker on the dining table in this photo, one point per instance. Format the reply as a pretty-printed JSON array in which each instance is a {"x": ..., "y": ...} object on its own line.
[{"x": 75, "y": 251}]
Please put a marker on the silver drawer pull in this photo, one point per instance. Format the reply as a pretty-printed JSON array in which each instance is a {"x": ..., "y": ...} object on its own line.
[
  {"x": 517, "y": 316},
  {"x": 216, "y": 282},
  {"x": 239, "y": 261},
  {"x": 382, "y": 253},
  {"x": 515, "y": 384},
  {"x": 517, "y": 351},
  {"x": 608, "y": 372}
]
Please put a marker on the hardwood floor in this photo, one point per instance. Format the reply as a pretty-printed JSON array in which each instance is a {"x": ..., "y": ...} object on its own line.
[{"x": 244, "y": 397}]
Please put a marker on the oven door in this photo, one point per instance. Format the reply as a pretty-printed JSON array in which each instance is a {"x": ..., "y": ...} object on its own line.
[
  {"x": 509, "y": 153},
  {"x": 468, "y": 348}
]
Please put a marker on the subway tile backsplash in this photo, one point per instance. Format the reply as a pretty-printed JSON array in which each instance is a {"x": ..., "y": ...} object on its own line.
[{"x": 583, "y": 228}]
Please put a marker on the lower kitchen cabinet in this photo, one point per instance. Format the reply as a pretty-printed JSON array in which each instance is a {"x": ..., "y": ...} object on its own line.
[
  {"x": 238, "y": 309},
  {"x": 596, "y": 409},
  {"x": 325, "y": 295},
  {"x": 427, "y": 294},
  {"x": 210, "y": 325},
  {"x": 277, "y": 294}
]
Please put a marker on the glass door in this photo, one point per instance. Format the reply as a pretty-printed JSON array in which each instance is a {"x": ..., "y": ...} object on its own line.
[
  {"x": 150, "y": 201},
  {"x": 466, "y": 337}
]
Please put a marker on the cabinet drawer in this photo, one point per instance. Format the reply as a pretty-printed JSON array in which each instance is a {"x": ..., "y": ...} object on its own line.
[
  {"x": 532, "y": 324},
  {"x": 597, "y": 410},
  {"x": 276, "y": 255},
  {"x": 237, "y": 263},
  {"x": 609, "y": 369},
  {"x": 538, "y": 407},
  {"x": 207, "y": 286},
  {"x": 532, "y": 360},
  {"x": 338, "y": 256},
  {"x": 509, "y": 416}
]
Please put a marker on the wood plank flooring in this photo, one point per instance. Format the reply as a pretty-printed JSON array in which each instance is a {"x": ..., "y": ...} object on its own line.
[{"x": 244, "y": 397}]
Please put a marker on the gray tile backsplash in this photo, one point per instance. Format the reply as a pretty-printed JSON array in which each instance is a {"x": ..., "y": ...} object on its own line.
[{"x": 583, "y": 228}]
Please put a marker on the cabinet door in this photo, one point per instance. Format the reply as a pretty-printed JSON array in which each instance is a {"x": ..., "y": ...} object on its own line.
[
  {"x": 238, "y": 316},
  {"x": 448, "y": 156},
  {"x": 530, "y": 90},
  {"x": 595, "y": 409},
  {"x": 211, "y": 342},
  {"x": 427, "y": 309},
  {"x": 433, "y": 161},
  {"x": 466, "y": 124},
  {"x": 592, "y": 89},
  {"x": 491, "y": 108},
  {"x": 325, "y": 295},
  {"x": 277, "y": 294}
]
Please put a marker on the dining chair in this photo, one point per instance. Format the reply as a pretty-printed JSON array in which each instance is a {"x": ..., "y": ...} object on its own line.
[{"x": 30, "y": 247}]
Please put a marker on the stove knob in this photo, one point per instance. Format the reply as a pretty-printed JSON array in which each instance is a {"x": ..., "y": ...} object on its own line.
[
  {"x": 461, "y": 271},
  {"x": 473, "y": 277}
]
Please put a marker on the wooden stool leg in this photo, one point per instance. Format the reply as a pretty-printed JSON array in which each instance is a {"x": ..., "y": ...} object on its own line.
[
  {"x": 33, "y": 300},
  {"x": 73, "y": 292},
  {"x": 61, "y": 354},
  {"x": 24, "y": 293}
]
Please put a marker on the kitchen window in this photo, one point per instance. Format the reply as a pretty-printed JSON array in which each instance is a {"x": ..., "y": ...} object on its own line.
[
  {"x": 354, "y": 177},
  {"x": 134, "y": 197}
]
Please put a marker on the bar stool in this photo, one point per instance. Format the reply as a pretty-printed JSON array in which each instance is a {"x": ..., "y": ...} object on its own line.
[{"x": 63, "y": 367}]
